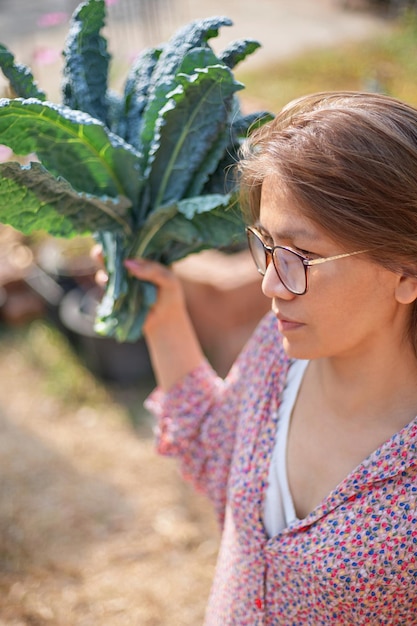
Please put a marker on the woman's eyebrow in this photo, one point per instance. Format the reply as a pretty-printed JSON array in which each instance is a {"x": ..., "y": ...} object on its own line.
[{"x": 290, "y": 234}]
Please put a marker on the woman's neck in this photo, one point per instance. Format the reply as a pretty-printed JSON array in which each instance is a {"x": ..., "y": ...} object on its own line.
[{"x": 380, "y": 387}]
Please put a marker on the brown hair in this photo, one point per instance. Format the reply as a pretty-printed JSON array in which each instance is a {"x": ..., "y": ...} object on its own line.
[{"x": 350, "y": 160}]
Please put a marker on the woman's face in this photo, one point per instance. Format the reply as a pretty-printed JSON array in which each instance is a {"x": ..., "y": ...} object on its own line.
[{"x": 351, "y": 305}]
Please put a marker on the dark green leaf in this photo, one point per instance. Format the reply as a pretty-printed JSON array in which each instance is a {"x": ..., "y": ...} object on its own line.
[
  {"x": 193, "y": 35},
  {"x": 243, "y": 126},
  {"x": 237, "y": 51},
  {"x": 85, "y": 73},
  {"x": 170, "y": 234},
  {"x": 113, "y": 247},
  {"x": 192, "y": 130},
  {"x": 136, "y": 95},
  {"x": 19, "y": 76},
  {"x": 224, "y": 178},
  {"x": 123, "y": 318},
  {"x": 32, "y": 199},
  {"x": 215, "y": 164},
  {"x": 73, "y": 145},
  {"x": 115, "y": 111},
  {"x": 182, "y": 121},
  {"x": 191, "y": 225},
  {"x": 126, "y": 301}
]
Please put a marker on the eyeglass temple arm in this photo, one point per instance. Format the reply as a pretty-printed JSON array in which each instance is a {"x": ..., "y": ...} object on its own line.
[{"x": 310, "y": 262}]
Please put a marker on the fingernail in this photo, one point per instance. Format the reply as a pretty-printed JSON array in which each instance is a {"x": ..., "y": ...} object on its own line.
[
  {"x": 134, "y": 264},
  {"x": 131, "y": 263}
]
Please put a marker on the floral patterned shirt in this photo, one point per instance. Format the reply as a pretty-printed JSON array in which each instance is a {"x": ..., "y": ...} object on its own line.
[{"x": 351, "y": 561}]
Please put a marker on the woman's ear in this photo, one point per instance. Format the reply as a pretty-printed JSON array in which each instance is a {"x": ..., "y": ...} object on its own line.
[{"x": 406, "y": 289}]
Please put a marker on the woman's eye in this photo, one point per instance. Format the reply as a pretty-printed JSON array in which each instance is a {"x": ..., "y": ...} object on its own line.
[
  {"x": 308, "y": 254},
  {"x": 304, "y": 252}
]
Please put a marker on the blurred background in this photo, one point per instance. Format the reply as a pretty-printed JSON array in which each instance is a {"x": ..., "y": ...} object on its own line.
[{"x": 94, "y": 527}]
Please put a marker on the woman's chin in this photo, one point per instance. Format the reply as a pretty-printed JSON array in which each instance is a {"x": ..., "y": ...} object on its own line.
[{"x": 296, "y": 350}]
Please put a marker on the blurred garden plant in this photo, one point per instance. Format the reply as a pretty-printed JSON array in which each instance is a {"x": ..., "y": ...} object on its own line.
[{"x": 144, "y": 172}]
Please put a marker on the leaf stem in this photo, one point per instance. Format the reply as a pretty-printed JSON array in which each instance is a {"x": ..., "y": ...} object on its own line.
[{"x": 153, "y": 229}]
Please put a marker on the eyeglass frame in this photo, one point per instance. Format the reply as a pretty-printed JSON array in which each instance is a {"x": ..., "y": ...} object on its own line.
[{"x": 306, "y": 262}]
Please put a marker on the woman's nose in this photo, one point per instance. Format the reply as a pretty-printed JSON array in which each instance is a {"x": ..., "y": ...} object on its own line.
[{"x": 272, "y": 286}]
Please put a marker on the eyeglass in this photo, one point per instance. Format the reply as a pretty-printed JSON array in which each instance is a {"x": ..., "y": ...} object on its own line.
[{"x": 290, "y": 265}]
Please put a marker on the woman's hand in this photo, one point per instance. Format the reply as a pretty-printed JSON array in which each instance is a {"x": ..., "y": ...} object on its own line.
[
  {"x": 170, "y": 336},
  {"x": 170, "y": 303}
]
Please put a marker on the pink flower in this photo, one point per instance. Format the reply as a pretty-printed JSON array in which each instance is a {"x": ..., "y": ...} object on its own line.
[
  {"x": 52, "y": 19},
  {"x": 5, "y": 153},
  {"x": 109, "y": 3},
  {"x": 45, "y": 56}
]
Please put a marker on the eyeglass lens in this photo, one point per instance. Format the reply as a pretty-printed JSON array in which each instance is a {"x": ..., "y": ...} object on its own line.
[{"x": 288, "y": 265}]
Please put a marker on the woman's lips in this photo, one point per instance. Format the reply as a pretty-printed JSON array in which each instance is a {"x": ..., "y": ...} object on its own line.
[{"x": 285, "y": 324}]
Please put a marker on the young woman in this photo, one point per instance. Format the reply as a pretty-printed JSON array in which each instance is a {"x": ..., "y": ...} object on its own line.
[{"x": 308, "y": 448}]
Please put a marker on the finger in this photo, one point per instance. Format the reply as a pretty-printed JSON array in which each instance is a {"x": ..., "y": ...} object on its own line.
[
  {"x": 96, "y": 253},
  {"x": 101, "y": 278},
  {"x": 149, "y": 270}
]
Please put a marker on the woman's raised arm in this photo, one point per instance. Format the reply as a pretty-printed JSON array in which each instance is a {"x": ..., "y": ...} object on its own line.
[{"x": 172, "y": 342}]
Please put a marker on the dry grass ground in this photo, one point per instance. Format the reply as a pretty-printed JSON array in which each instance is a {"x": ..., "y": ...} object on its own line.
[{"x": 95, "y": 528}]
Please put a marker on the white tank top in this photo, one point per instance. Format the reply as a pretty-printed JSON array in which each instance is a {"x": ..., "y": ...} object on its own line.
[{"x": 279, "y": 509}]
